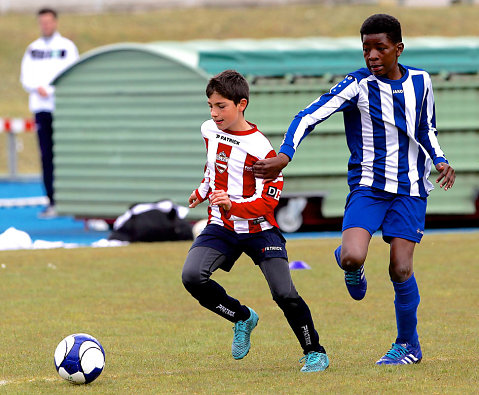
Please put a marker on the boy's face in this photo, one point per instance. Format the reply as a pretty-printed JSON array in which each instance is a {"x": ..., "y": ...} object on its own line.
[
  {"x": 381, "y": 55},
  {"x": 226, "y": 114}
]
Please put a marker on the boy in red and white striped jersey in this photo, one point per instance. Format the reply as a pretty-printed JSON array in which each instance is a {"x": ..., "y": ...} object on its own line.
[{"x": 241, "y": 219}]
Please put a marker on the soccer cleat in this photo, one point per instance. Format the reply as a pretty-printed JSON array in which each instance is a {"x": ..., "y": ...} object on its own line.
[
  {"x": 355, "y": 281},
  {"x": 314, "y": 362},
  {"x": 241, "y": 339},
  {"x": 401, "y": 354}
]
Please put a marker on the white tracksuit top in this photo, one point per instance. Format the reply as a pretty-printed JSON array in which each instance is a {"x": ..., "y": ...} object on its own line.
[{"x": 44, "y": 59}]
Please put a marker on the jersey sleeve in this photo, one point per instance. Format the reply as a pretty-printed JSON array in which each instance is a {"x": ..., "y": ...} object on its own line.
[
  {"x": 341, "y": 97},
  {"x": 27, "y": 72},
  {"x": 72, "y": 55},
  {"x": 262, "y": 203},
  {"x": 204, "y": 189},
  {"x": 427, "y": 132}
]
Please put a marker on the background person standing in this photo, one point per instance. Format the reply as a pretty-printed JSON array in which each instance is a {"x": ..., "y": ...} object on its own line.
[{"x": 43, "y": 60}]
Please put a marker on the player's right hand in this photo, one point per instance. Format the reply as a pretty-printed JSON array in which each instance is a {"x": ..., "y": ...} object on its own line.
[
  {"x": 193, "y": 200},
  {"x": 42, "y": 91},
  {"x": 269, "y": 169}
]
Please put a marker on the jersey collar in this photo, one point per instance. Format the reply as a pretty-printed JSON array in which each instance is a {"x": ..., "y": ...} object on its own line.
[
  {"x": 402, "y": 79},
  {"x": 253, "y": 129}
]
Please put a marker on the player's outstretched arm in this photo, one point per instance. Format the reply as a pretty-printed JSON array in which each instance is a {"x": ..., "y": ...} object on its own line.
[
  {"x": 447, "y": 175},
  {"x": 269, "y": 169}
]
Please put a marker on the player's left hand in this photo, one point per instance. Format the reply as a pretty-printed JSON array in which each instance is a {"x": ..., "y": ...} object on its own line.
[
  {"x": 220, "y": 198},
  {"x": 447, "y": 175}
]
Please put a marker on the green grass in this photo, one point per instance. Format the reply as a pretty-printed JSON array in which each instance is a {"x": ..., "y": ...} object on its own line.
[{"x": 158, "y": 339}]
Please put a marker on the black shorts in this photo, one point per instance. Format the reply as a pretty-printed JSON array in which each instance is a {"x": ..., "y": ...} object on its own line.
[{"x": 258, "y": 246}]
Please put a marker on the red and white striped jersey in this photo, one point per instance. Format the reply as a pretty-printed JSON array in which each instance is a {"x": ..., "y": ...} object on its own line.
[{"x": 229, "y": 167}]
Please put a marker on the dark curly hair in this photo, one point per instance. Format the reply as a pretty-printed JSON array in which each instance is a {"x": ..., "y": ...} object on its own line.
[{"x": 382, "y": 23}]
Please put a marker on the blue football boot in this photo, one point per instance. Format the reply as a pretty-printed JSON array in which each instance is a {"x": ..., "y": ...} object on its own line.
[
  {"x": 401, "y": 354},
  {"x": 355, "y": 280}
]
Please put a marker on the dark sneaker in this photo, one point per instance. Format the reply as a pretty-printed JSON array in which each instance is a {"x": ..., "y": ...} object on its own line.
[
  {"x": 355, "y": 281},
  {"x": 241, "y": 340},
  {"x": 401, "y": 354}
]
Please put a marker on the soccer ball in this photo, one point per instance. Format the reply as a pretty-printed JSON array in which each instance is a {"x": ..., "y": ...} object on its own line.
[
  {"x": 198, "y": 227},
  {"x": 79, "y": 358}
]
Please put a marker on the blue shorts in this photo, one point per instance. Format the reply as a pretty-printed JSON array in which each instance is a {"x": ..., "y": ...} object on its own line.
[
  {"x": 258, "y": 246},
  {"x": 396, "y": 215}
]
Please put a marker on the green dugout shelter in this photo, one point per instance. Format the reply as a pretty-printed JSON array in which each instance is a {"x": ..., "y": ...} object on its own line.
[{"x": 128, "y": 118}]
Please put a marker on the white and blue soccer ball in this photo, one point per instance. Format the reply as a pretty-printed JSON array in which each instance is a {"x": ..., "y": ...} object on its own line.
[{"x": 79, "y": 358}]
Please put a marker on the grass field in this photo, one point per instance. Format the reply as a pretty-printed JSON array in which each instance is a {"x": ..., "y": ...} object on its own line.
[{"x": 159, "y": 340}]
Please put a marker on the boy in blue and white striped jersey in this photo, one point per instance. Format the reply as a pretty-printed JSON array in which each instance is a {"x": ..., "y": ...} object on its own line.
[{"x": 390, "y": 127}]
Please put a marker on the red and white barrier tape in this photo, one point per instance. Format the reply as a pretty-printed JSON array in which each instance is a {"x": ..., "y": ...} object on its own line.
[{"x": 16, "y": 125}]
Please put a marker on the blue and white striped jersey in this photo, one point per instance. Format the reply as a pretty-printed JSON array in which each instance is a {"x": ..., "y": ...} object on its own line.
[{"x": 390, "y": 129}]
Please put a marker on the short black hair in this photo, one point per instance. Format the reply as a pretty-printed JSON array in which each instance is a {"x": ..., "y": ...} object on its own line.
[
  {"x": 230, "y": 84},
  {"x": 44, "y": 11},
  {"x": 382, "y": 23}
]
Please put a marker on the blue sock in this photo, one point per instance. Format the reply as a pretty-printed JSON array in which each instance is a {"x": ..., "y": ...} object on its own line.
[{"x": 406, "y": 303}]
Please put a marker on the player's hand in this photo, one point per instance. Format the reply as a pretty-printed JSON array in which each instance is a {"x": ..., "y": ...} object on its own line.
[
  {"x": 193, "y": 200},
  {"x": 447, "y": 175},
  {"x": 42, "y": 91},
  {"x": 220, "y": 198},
  {"x": 269, "y": 169}
]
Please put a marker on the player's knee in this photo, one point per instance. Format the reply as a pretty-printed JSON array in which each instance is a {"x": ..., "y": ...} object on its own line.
[
  {"x": 191, "y": 278},
  {"x": 285, "y": 292},
  {"x": 287, "y": 304},
  {"x": 400, "y": 273},
  {"x": 351, "y": 261}
]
